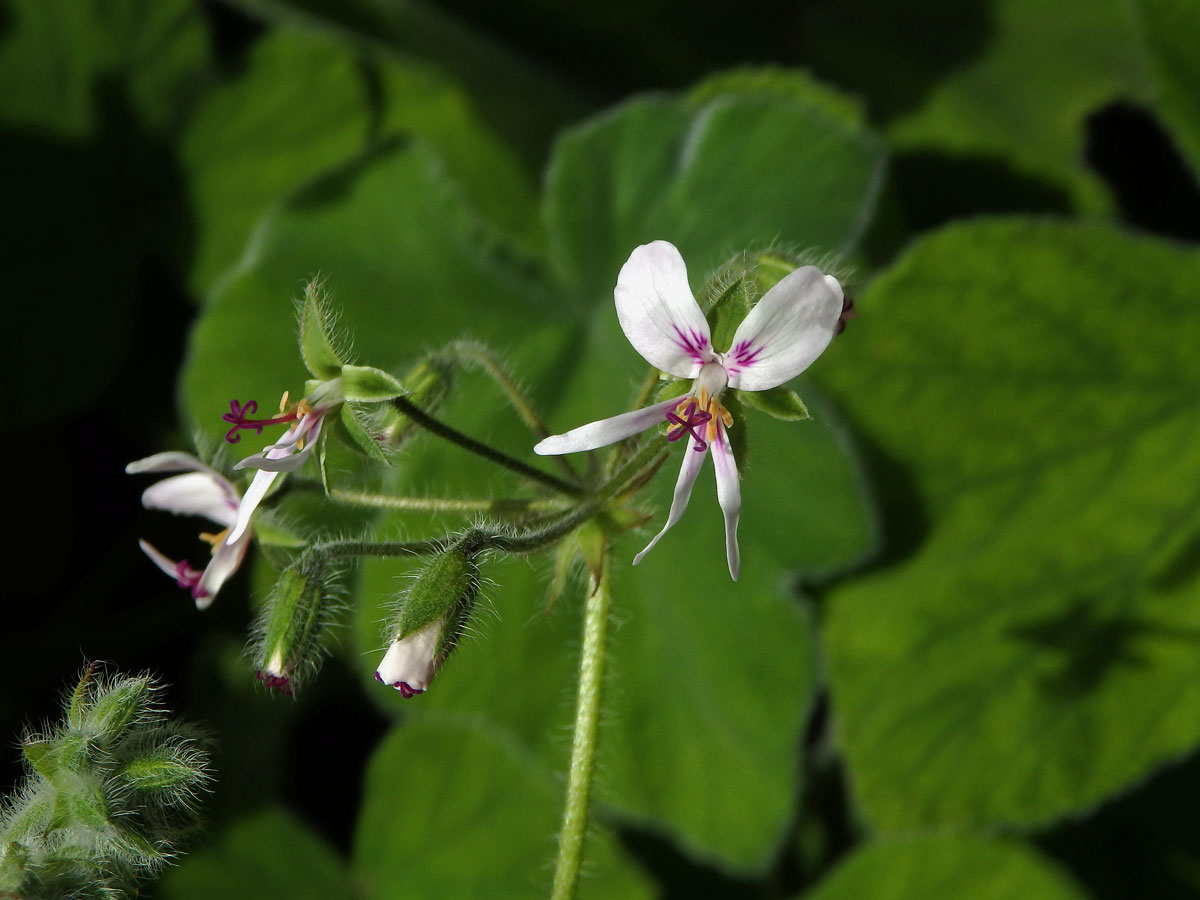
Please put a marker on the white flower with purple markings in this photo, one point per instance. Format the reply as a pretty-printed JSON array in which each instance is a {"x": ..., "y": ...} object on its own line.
[
  {"x": 780, "y": 337},
  {"x": 199, "y": 491}
]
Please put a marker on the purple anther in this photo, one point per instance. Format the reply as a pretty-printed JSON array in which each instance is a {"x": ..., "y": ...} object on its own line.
[
  {"x": 280, "y": 683},
  {"x": 186, "y": 576},
  {"x": 694, "y": 419},
  {"x": 237, "y": 418}
]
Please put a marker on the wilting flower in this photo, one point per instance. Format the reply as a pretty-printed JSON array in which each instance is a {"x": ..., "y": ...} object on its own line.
[
  {"x": 199, "y": 491},
  {"x": 411, "y": 662},
  {"x": 779, "y": 338},
  {"x": 285, "y": 455}
]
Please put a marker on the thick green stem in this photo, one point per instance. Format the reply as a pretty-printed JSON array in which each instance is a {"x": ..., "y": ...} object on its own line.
[
  {"x": 444, "y": 431},
  {"x": 583, "y": 746}
]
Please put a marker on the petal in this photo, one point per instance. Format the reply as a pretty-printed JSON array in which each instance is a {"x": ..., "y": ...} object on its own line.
[
  {"x": 411, "y": 662},
  {"x": 160, "y": 559},
  {"x": 729, "y": 495},
  {"x": 171, "y": 461},
  {"x": 283, "y": 456},
  {"x": 606, "y": 431},
  {"x": 692, "y": 461},
  {"x": 788, "y": 329},
  {"x": 194, "y": 494},
  {"x": 225, "y": 561},
  {"x": 658, "y": 313},
  {"x": 250, "y": 500}
]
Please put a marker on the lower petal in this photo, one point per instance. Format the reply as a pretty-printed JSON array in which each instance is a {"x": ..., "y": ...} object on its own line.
[
  {"x": 606, "y": 431},
  {"x": 729, "y": 495},
  {"x": 225, "y": 561},
  {"x": 692, "y": 461}
]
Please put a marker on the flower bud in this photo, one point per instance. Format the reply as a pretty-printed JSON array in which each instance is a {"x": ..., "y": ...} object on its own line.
[
  {"x": 288, "y": 645},
  {"x": 429, "y": 619},
  {"x": 427, "y": 384}
]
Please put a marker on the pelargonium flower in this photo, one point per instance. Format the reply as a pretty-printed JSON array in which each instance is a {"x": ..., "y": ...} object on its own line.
[
  {"x": 411, "y": 661},
  {"x": 779, "y": 338},
  {"x": 200, "y": 491},
  {"x": 290, "y": 452}
]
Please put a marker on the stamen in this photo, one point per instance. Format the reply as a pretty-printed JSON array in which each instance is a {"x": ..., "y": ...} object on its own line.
[
  {"x": 237, "y": 417},
  {"x": 214, "y": 540},
  {"x": 691, "y": 420},
  {"x": 283, "y": 401},
  {"x": 280, "y": 683},
  {"x": 726, "y": 417}
]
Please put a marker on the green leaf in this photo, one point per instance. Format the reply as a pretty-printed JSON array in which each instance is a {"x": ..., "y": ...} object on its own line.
[
  {"x": 779, "y": 403},
  {"x": 268, "y": 855},
  {"x": 1169, "y": 28},
  {"x": 975, "y": 867},
  {"x": 62, "y": 53},
  {"x": 366, "y": 384},
  {"x": 454, "y": 810},
  {"x": 1035, "y": 386},
  {"x": 1010, "y": 91},
  {"x": 740, "y": 170},
  {"x": 299, "y": 107}
]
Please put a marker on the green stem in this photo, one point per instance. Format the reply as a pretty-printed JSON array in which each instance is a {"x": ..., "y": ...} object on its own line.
[
  {"x": 442, "y": 504},
  {"x": 345, "y": 549},
  {"x": 583, "y": 745},
  {"x": 444, "y": 431}
]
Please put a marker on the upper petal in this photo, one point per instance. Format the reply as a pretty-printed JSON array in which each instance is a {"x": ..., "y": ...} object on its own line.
[
  {"x": 693, "y": 459},
  {"x": 226, "y": 559},
  {"x": 194, "y": 494},
  {"x": 171, "y": 461},
  {"x": 788, "y": 329},
  {"x": 658, "y": 313},
  {"x": 605, "y": 431},
  {"x": 250, "y": 500},
  {"x": 729, "y": 495}
]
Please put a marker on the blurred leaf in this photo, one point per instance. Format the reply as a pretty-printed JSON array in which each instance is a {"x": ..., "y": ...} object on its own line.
[
  {"x": 1169, "y": 28},
  {"x": 1039, "y": 652},
  {"x": 299, "y": 107},
  {"x": 268, "y": 855},
  {"x": 57, "y": 56},
  {"x": 979, "y": 868},
  {"x": 456, "y": 811},
  {"x": 749, "y": 162},
  {"x": 520, "y": 101},
  {"x": 986, "y": 82}
]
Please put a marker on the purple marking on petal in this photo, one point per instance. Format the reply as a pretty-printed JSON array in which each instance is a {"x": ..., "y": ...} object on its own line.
[
  {"x": 693, "y": 342},
  {"x": 379, "y": 678},
  {"x": 406, "y": 691},
  {"x": 741, "y": 356}
]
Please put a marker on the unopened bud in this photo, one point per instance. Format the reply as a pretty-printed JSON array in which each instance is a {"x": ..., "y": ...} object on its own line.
[
  {"x": 429, "y": 619},
  {"x": 288, "y": 645}
]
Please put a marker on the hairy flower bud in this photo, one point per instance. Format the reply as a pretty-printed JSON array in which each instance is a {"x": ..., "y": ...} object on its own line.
[
  {"x": 429, "y": 619},
  {"x": 288, "y": 640}
]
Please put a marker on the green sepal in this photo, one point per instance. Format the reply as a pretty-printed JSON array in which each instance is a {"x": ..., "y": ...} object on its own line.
[
  {"x": 358, "y": 434},
  {"x": 778, "y": 402},
  {"x": 593, "y": 542},
  {"x": 42, "y": 757},
  {"x": 564, "y": 558},
  {"x": 316, "y": 335},
  {"x": 291, "y": 623},
  {"x": 448, "y": 580},
  {"x": 88, "y": 807},
  {"x": 672, "y": 387},
  {"x": 366, "y": 384},
  {"x": 739, "y": 438}
]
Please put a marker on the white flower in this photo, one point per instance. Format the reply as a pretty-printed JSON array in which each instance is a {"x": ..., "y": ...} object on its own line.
[
  {"x": 780, "y": 337},
  {"x": 200, "y": 491},
  {"x": 411, "y": 662}
]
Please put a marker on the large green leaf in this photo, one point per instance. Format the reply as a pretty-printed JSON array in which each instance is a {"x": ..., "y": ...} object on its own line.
[
  {"x": 979, "y": 868},
  {"x": 268, "y": 855},
  {"x": 1169, "y": 28},
  {"x": 970, "y": 89},
  {"x": 461, "y": 811},
  {"x": 58, "y": 57},
  {"x": 746, "y": 162},
  {"x": 1039, "y": 652}
]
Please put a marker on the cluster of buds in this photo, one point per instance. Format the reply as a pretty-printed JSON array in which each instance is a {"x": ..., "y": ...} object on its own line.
[{"x": 112, "y": 791}]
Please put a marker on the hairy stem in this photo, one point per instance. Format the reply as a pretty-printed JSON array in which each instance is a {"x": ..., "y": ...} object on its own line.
[
  {"x": 583, "y": 745},
  {"x": 443, "y": 504},
  {"x": 444, "y": 431}
]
